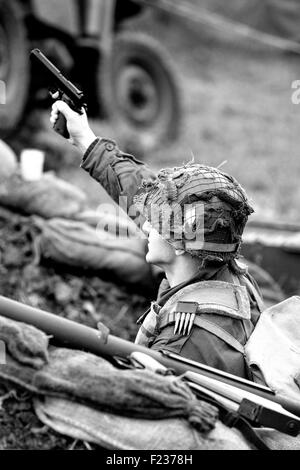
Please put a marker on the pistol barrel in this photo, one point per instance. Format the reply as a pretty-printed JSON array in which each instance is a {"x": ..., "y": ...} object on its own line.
[{"x": 57, "y": 79}]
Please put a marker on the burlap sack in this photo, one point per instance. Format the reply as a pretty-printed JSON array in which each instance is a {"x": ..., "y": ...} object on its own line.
[
  {"x": 78, "y": 244},
  {"x": 48, "y": 197},
  {"x": 8, "y": 161}
]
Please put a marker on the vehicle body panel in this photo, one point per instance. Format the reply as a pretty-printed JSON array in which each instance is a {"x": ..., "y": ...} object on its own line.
[
  {"x": 63, "y": 15},
  {"x": 88, "y": 18},
  {"x": 276, "y": 248}
]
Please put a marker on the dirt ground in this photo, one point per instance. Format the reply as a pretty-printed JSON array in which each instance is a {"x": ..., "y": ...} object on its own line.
[{"x": 237, "y": 110}]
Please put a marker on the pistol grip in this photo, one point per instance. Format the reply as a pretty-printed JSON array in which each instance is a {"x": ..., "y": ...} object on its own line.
[{"x": 61, "y": 126}]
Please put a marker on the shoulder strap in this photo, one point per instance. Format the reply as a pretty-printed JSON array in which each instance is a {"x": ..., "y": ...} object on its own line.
[
  {"x": 219, "y": 332},
  {"x": 252, "y": 289},
  {"x": 211, "y": 328},
  {"x": 257, "y": 297},
  {"x": 205, "y": 297},
  {"x": 218, "y": 297}
]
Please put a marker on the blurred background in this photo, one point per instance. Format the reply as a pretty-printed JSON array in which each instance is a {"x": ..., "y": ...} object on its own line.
[
  {"x": 171, "y": 81},
  {"x": 167, "y": 80}
]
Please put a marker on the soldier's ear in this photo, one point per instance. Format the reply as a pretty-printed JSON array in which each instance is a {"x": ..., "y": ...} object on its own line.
[{"x": 179, "y": 252}]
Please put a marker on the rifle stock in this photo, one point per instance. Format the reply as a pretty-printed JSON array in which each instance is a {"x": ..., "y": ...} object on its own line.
[{"x": 99, "y": 342}]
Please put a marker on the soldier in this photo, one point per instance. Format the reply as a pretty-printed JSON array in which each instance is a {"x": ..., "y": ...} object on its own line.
[{"x": 208, "y": 305}]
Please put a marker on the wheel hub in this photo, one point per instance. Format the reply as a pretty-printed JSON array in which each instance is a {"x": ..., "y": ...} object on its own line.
[{"x": 137, "y": 94}]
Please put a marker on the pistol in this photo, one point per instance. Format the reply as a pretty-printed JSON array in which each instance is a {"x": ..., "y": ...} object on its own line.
[{"x": 60, "y": 86}]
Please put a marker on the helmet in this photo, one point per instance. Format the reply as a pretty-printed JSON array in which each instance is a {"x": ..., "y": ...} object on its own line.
[{"x": 196, "y": 208}]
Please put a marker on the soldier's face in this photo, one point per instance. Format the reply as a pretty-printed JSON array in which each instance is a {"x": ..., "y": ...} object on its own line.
[{"x": 160, "y": 252}]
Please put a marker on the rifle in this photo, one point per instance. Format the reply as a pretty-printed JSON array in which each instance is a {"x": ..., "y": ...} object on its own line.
[
  {"x": 258, "y": 404},
  {"x": 60, "y": 89}
]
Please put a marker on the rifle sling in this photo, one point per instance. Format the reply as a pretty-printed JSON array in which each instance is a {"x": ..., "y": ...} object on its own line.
[
  {"x": 232, "y": 419},
  {"x": 249, "y": 433}
]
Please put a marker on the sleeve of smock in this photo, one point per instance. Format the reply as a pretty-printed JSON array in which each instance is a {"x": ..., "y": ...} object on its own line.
[{"x": 119, "y": 173}]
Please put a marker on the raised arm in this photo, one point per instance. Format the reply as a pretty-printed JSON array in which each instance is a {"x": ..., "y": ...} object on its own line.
[{"x": 120, "y": 174}]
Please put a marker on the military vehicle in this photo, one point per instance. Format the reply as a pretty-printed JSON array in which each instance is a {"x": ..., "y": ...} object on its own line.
[
  {"x": 275, "y": 247},
  {"x": 127, "y": 75}
]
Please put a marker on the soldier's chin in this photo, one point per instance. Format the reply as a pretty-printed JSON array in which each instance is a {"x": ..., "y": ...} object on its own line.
[{"x": 150, "y": 258}]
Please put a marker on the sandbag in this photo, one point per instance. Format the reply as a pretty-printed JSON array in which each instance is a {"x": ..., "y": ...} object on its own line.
[
  {"x": 113, "y": 431},
  {"x": 85, "y": 378},
  {"x": 77, "y": 244},
  {"x": 47, "y": 197},
  {"x": 117, "y": 223},
  {"x": 25, "y": 343},
  {"x": 8, "y": 160}
]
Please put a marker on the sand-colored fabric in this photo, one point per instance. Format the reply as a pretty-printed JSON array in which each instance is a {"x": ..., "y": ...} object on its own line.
[
  {"x": 24, "y": 343},
  {"x": 47, "y": 197},
  {"x": 123, "y": 433},
  {"x": 9, "y": 163},
  {"x": 274, "y": 347},
  {"x": 78, "y": 244}
]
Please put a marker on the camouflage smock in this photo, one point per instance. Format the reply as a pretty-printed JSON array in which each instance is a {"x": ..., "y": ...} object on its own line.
[{"x": 121, "y": 174}]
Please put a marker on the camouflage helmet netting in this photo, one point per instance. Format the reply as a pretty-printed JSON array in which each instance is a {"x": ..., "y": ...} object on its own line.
[{"x": 197, "y": 208}]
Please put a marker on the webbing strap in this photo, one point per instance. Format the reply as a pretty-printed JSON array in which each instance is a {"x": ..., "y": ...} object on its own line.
[
  {"x": 212, "y": 328},
  {"x": 248, "y": 432},
  {"x": 258, "y": 300},
  {"x": 250, "y": 286},
  {"x": 219, "y": 332},
  {"x": 216, "y": 247},
  {"x": 234, "y": 419},
  {"x": 219, "y": 297}
]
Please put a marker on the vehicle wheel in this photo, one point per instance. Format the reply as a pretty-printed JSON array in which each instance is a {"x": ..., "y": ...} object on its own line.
[
  {"x": 14, "y": 65},
  {"x": 139, "y": 90}
]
